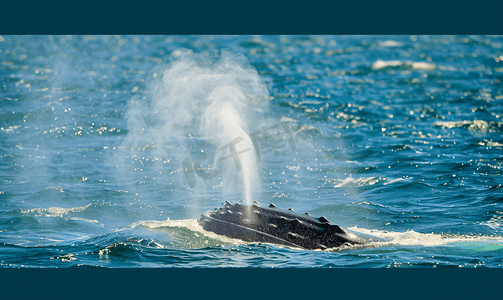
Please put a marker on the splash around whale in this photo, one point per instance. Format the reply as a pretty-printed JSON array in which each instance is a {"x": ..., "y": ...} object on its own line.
[{"x": 279, "y": 226}]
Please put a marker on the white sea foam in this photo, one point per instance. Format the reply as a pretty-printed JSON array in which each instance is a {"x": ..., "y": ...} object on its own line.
[
  {"x": 190, "y": 224},
  {"x": 381, "y": 64},
  {"x": 422, "y": 65},
  {"x": 362, "y": 181},
  {"x": 411, "y": 238},
  {"x": 475, "y": 125},
  {"x": 389, "y": 43},
  {"x": 55, "y": 211},
  {"x": 10, "y": 128},
  {"x": 495, "y": 222},
  {"x": 490, "y": 143},
  {"x": 85, "y": 220},
  {"x": 394, "y": 180}
]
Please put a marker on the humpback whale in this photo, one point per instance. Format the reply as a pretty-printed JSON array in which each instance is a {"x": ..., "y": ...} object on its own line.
[{"x": 279, "y": 226}]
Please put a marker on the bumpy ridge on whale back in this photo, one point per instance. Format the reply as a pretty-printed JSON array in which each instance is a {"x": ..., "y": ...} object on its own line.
[{"x": 274, "y": 225}]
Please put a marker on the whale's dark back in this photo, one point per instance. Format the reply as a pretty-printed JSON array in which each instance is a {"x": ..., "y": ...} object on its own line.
[{"x": 274, "y": 225}]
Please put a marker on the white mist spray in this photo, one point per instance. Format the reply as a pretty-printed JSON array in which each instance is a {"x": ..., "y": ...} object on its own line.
[{"x": 199, "y": 104}]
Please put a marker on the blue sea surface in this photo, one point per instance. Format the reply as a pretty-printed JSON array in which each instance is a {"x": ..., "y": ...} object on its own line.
[{"x": 400, "y": 137}]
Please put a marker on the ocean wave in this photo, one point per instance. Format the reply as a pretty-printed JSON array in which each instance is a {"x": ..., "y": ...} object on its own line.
[
  {"x": 358, "y": 182},
  {"x": 381, "y": 64},
  {"x": 413, "y": 238},
  {"x": 495, "y": 222},
  {"x": 475, "y": 125},
  {"x": 55, "y": 211},
  {"x": 192, "y": 225}
]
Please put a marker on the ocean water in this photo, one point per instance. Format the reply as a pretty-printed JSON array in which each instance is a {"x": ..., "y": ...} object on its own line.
[{"x": 112, "y": 146}]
